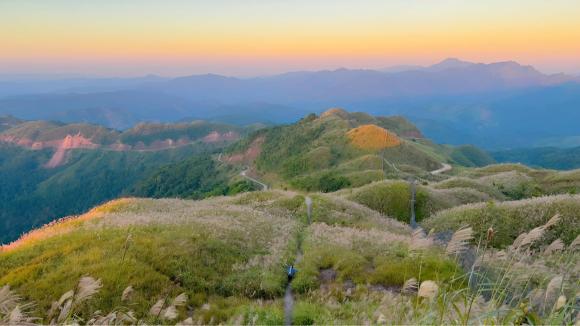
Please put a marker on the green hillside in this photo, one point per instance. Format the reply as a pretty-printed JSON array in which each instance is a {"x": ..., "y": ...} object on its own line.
[
  {"x": 518, "y": 181},
  {"x": 227, "y": 255},
  {"x": 509, "y": 219},
  {"x": 317, "y": 154},
  {"x": 393, "y": 198},
  {"x": 33, "y": 195},
  {"x": 493, "y": 183},
  {"x": 193, "y": 178},
  {"x": 223, "y": 260}
]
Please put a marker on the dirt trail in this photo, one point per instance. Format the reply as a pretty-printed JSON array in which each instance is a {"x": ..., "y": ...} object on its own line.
[
  {"x": 446, "y": 167},
  {"x": 245, "y": 175},
  {"x": 289, "y": 296}
]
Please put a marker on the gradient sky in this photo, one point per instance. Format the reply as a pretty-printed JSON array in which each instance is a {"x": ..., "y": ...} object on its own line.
[{"x": 252, "y": 37}]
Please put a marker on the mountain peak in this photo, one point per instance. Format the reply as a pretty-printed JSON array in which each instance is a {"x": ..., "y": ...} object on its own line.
[
  {"x": 454, "y": 61},
  {"x": 340, "y": 112},
  {"x": 450, "y": 63}
]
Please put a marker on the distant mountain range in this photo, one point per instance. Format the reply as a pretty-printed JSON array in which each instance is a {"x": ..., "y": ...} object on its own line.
[{"x": 497, "y": 105}]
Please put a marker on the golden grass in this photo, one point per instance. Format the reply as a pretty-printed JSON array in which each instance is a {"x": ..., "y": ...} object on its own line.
[
  {"x": 65, "y": 224},
  {"x": 372, "y": 137}
]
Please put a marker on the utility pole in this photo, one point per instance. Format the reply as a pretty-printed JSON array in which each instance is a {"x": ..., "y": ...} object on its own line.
[
  {"x": 413, "y": 221},
  {"x": 383, "y": 162}
]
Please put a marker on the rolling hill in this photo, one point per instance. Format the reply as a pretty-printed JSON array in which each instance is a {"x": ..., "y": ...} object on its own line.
[
  {"x": 339, "y": 149},
  {"x": 223, "y": 260}
]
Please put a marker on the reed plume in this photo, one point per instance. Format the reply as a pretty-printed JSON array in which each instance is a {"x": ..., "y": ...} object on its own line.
[
  {"x": 127, "y": 293},
  {"x": 555, "y": 246},
  {"x": 459, "y": 241},
  {"x": 87, "y": 287},
  {"x": 410, "y": 286},
  {"x": 8, "y": 300},
  {"x": 428, "y": 289}
]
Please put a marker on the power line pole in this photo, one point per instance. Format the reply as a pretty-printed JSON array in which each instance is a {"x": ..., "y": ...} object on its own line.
[{"x": 413, "y": 220}]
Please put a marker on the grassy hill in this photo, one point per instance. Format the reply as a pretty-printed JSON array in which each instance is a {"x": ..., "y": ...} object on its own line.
[
  {"x": 493, "y": 183},
  {"x": 517, "y": 181},
  {"x": 222, "y": 260},
  {"x": 226, "y": 254},
  {"x": 339, "y": 149},
  {"x": 393, "y": 198},
  {"x": 509, "y": 219}
]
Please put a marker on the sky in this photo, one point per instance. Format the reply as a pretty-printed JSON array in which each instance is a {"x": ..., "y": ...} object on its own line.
[{"x": 260, "y": 37}]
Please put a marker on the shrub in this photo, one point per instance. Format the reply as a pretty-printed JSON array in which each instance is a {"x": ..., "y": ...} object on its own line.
[
  {"x": 306, "y": 313},
  {"x": 392, "y": 199},
  {"x": 510, "y": 219},
  {"x": 331, "y": 182}
]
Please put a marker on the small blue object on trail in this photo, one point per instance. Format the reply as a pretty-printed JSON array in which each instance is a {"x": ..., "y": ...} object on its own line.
[{"x": 291, "y": 272}]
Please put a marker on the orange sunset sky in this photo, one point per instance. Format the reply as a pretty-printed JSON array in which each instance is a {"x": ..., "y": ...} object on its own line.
[{"x": 253, "y": 37}]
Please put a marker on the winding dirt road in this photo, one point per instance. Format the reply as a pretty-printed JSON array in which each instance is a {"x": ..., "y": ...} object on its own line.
[
  {"x": 446, "y": 167},
  {"x": 261, "y": 184}
]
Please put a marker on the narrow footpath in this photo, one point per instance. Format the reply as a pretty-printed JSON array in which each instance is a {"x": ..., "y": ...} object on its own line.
[
  {"x": 289, "y": 296},
  {"x": 261, "y": 184}
]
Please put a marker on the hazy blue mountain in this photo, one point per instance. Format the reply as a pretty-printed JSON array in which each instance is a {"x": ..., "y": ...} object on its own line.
[
  {"x": 21, "y": 85},
  {"x": 401, "y": 68},
  {"x": 450, "y": 77},
  {"x": 498, "y": 105},
  {"x": 123, "y": 109},
  {"x": 450, "y": 63},
  {"x": 119, "y": 109}
]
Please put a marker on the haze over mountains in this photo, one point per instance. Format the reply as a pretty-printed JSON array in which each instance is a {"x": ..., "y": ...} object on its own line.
[{"x": 498, "y": 105}]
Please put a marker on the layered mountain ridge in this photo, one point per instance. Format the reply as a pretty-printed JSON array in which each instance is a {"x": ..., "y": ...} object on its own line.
[
  {"x": 454, "y": 101},
  {"x": 37, "y": 135}
]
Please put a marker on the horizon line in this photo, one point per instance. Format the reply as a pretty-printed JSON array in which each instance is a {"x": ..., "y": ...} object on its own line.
[{"x": 63, "y": 76}]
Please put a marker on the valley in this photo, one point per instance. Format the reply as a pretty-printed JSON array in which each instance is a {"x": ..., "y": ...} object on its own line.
[{"x": 50, "y": 170}]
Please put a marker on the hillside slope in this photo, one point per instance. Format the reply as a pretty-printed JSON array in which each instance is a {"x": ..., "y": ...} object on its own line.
[
  {"x": 223, "y": 252},
  {"x": 51, "y": 169},
  {"x": 339, "y": 149},
  {"x": 223, "y": 260}
]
